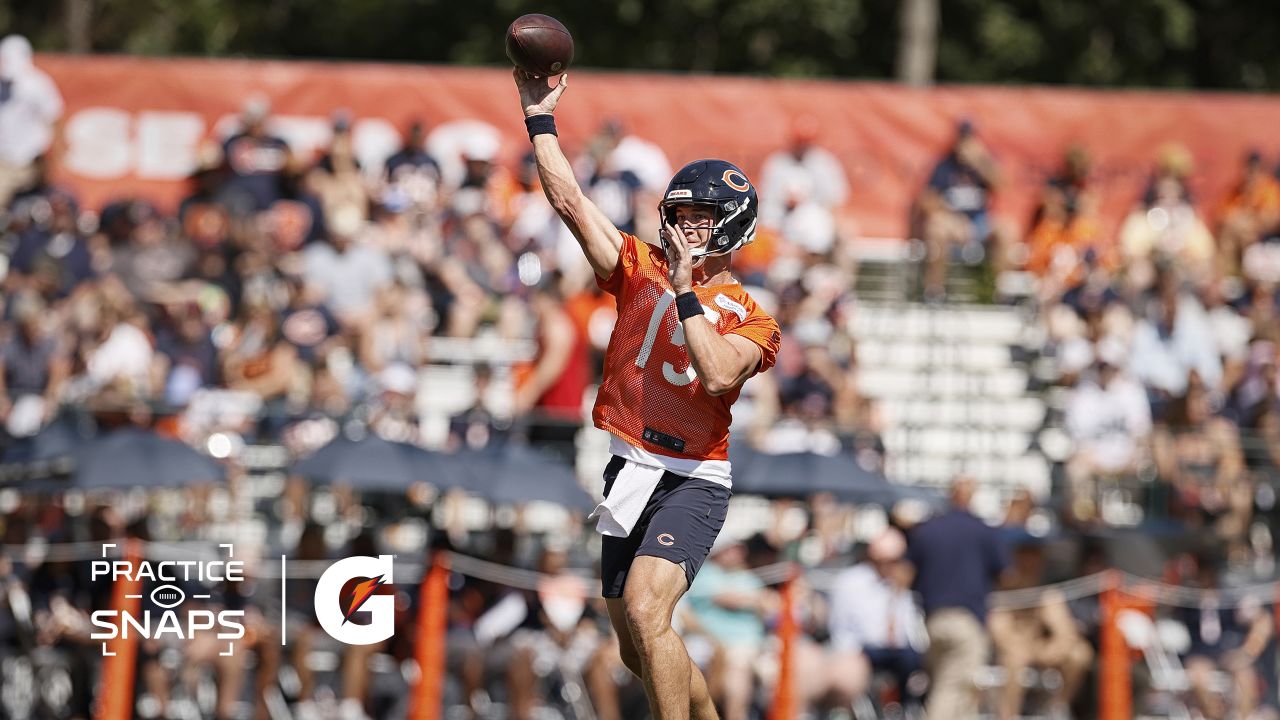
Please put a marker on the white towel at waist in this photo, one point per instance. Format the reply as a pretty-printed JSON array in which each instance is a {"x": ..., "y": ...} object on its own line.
[{"x": 633, "y": 486}]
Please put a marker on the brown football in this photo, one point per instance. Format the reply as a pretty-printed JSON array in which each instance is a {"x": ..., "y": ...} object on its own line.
[{"x": 539, "y": 44}]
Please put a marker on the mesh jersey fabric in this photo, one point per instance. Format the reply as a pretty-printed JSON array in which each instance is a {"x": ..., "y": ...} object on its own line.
[{"x": 649, "y": 382}]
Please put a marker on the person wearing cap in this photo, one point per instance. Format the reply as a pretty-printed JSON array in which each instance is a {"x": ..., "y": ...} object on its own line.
[
  {"x": 1108, "y": 420},
  {"x": 255, "y": 159},
  {"x": 954, "y": 208},
  {"x": 411, "y": 175},
  {"x": 873, "y": 617},
  {"x": 802, "y": 173}
]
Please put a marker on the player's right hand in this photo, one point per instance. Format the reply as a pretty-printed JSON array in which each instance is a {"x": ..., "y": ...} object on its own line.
[{"x": 535, "y": 97}]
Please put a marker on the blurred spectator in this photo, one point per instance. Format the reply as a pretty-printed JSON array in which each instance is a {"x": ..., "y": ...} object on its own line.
[
  {"x": 1198, "y": 454},
  {"x": 393, "y": 415},
  {"x": 550, "y": 390},
  {"x": 144, "y": 254},
  {"x": 411, "y": 171},
  {"x": 348, "y": 272},
  {"x": 873, "y": 613},
  {"x": 1226, "y": 638},
  {"x": 259, "y": 359},
  {"x": 1257, "y": 390},
  {"x": 255, "y": 159},
  {"x": 957, "y": 559},
  {"x": 34, "y": 367},
  {"x": 30, "y": 107},
  {"x": 1172, "y": 340},
  {"x": 804, "y": 172},
  {"x": 1249, "y": 213},
  {"x": 394, "y": 336},
  {"x": 646, "y": 161},
  {"x": 481, "y": 423},
  {"x": 615, "y": 190},
  {"x": 1041, "y": 637},
  {"x": 955, "y": 208},
  {"x": 118, "y": 352},
  {"x": 728, "y": 604},
  {"x": 1065, "y": 227},
  {"x": 186, "y": 358},
  {"x": 1165, "y": 227},
  {"x": 297, "y": 217},
  {"x": 52, "y": 255},
  {"x": 337, "y": 181},
  {"x": 306, "y": 322},
  {"x": 1109, "y": 420}
]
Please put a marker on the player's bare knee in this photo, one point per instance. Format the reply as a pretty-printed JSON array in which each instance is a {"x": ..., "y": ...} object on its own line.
[{"x": 647, "y": 615}]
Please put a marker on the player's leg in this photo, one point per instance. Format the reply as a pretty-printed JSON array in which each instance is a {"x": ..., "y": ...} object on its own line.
[
  {"x": 677, "y": 539},
  {"x": 626, "y": 646},
  {"x": 700, "y": 703},
  {"x": 653, "y": 588}
]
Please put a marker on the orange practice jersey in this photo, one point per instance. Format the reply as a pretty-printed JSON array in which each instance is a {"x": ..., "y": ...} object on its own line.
[{"x": 650, "y": 395}]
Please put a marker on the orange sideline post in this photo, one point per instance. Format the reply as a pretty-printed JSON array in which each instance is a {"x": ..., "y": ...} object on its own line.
[
  {"x": 115, "y": 689},
  {"x": 1115, "y": 691},
  {"x": 433, "y": 622},
  {"x": 784, "y": 695}
]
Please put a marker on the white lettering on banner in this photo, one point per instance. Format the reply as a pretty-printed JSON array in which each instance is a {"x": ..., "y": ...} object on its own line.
[
  {"x": 375, "y": 140},
  {"x": 98, "y": 143},
  {"x": 168, "y": 143},
  {"x": 307, "y": 136},
  {"x": 106, "y": 143}
]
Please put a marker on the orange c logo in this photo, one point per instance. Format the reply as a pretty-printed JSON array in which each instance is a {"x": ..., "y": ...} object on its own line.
[
  {"x": 735, "y": 180},
  {"x": 666, "y": 539}
]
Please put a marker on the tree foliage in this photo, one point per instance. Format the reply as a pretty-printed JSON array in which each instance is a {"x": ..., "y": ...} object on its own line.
[{"x": 1227, "y": 44}]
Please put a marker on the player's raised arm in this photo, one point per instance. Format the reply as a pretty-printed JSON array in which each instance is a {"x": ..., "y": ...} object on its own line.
[{"x": 599, "y": 238}]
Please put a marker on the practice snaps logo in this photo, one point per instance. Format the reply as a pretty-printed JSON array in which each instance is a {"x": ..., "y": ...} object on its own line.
[
  {"x": 167, "y": 617},
  {"x": 335, "y": 611}
]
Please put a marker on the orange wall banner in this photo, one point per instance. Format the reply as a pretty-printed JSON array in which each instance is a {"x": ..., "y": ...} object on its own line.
[
  {"x": 133, "y": 125},
  {"x": 115, "y": 689},
  {"x": 427, "y": 702}
]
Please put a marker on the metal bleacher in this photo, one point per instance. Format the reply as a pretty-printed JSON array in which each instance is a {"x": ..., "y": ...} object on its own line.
[{"x": 953, "y": 389}]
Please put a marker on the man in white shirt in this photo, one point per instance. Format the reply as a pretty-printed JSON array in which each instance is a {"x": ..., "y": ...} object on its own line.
[
  {"x": 873, "y": 612},
  {"x": 802, "y": 172},
  {"x": 1108, "y": 418},
  {"x": 1173, "y": 340},
  {"x": 30, "y": 105}
]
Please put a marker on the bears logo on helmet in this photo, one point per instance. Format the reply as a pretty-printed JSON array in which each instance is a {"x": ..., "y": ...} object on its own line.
[{"x": 723, "y": 186}]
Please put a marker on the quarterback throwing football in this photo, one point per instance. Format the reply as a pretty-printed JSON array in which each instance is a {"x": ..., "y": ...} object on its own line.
[{"x": 688, "y": 335}]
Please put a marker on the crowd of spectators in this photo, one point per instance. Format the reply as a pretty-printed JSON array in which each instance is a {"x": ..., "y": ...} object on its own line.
[{"x": 289, "y": 296}]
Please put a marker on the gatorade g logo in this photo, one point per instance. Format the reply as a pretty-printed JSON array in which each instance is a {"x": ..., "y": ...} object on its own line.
[{"x": 334, "y": 612}]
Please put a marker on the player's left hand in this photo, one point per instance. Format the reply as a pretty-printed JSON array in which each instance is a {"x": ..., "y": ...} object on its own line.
[{"x": 679, "y": 259}]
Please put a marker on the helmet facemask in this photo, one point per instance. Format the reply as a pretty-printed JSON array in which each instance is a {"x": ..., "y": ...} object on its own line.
[{"x": 722, "y": 240}]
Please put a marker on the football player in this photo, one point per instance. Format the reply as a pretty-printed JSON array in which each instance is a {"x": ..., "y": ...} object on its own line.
[{"x": 687, "y": 336}]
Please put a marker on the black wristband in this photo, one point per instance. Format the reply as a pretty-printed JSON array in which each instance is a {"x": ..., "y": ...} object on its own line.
[
  {"x": 688, "y": 305},
  {"x": 540, "y": 124}
]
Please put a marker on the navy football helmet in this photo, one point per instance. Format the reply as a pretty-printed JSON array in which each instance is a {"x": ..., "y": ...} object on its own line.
[{"x": 724, "y": 187}]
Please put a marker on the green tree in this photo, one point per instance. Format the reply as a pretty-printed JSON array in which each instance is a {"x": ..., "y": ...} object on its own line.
[{"x": 1226, "y": 44}]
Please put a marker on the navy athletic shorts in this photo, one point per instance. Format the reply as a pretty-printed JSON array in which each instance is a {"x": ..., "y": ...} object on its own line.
[{"x": 679, "y": 523}]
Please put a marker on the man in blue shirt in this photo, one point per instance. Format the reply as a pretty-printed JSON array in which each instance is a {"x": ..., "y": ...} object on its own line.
[
  {"x": 957, "y": 559},
  {"x": 954, "y": 209}
]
